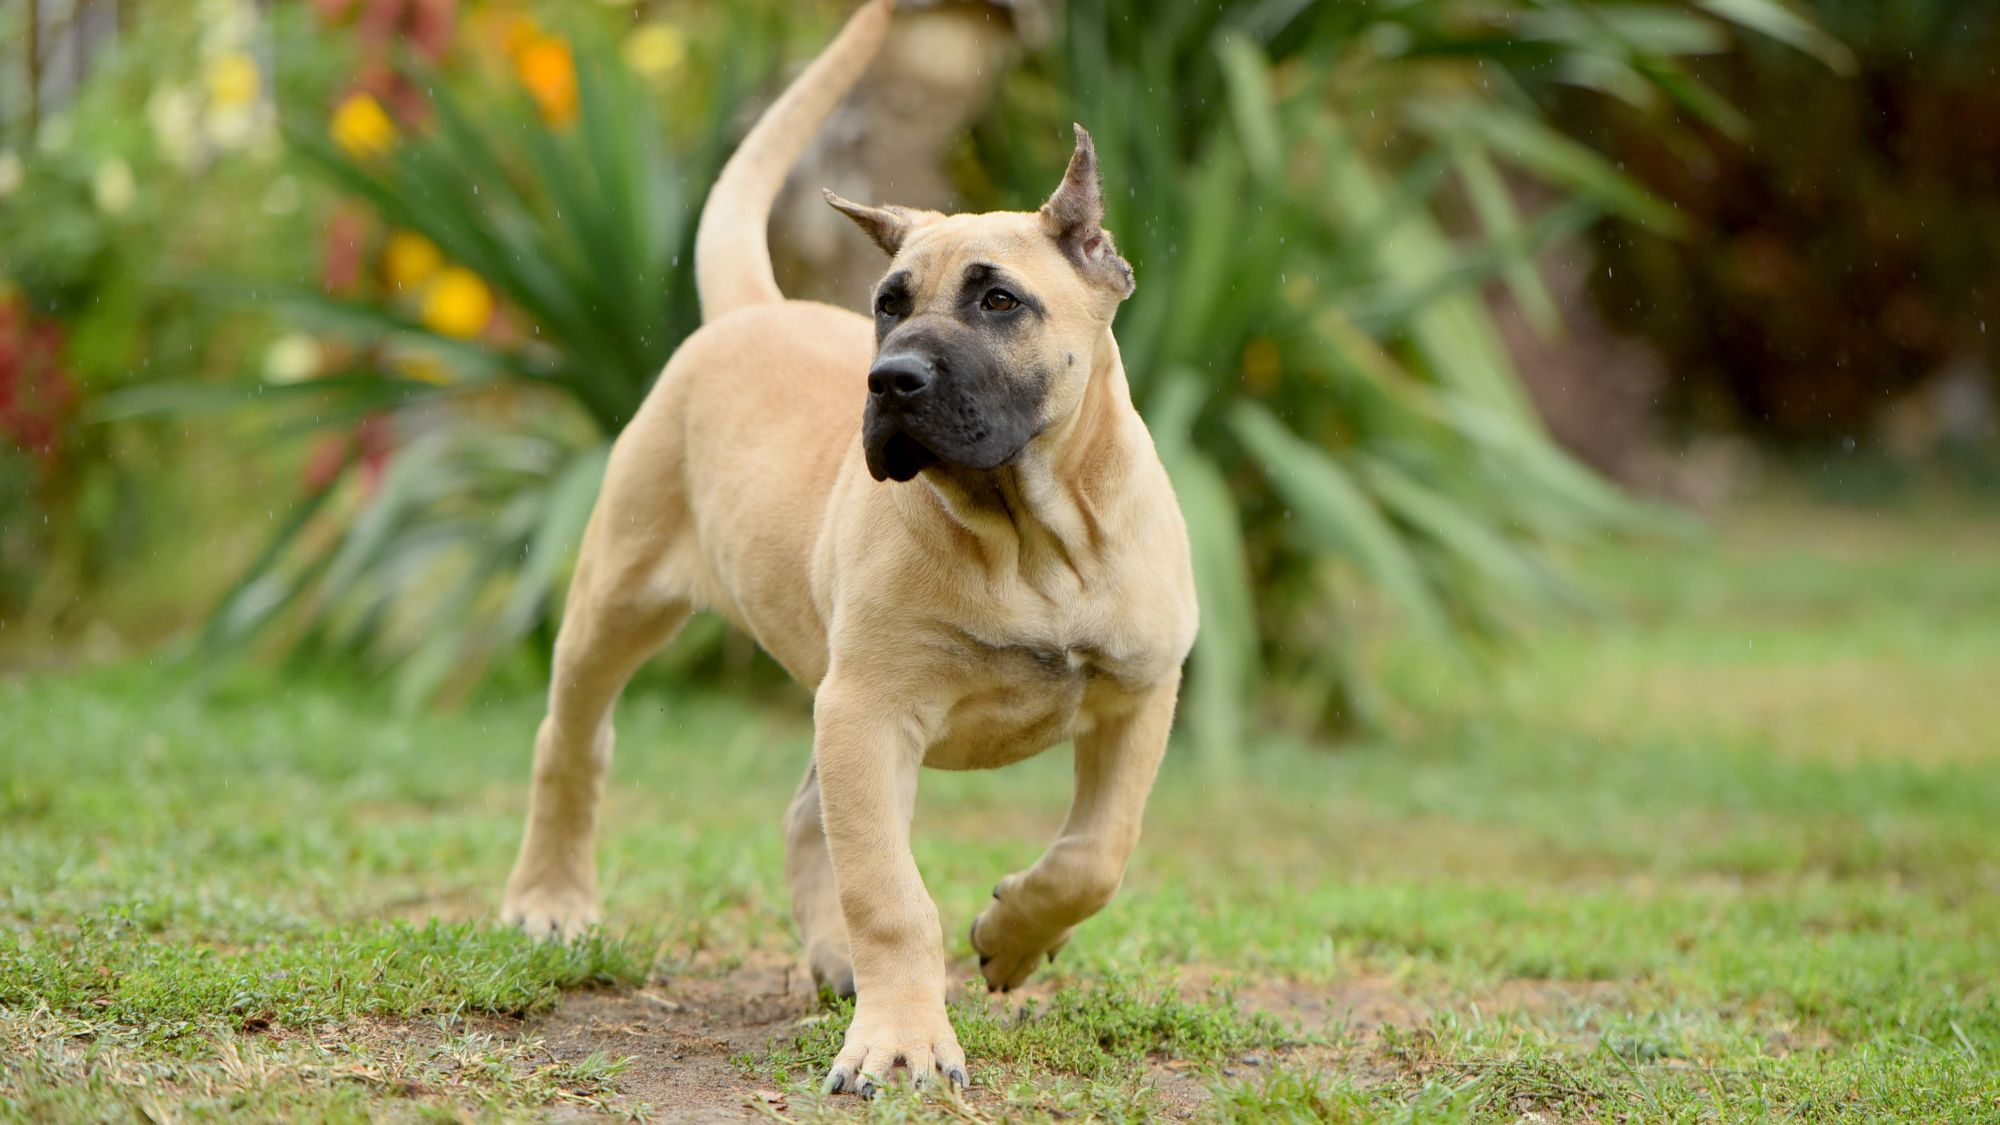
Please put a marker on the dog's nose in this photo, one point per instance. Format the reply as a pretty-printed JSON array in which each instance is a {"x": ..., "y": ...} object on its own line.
[{"x": 899, "y": 378}]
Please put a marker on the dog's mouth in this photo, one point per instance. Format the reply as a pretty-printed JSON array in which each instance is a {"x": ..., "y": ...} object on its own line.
[
  {"x": 904, "y": 433},
  {"x": 899, "y": 457}
]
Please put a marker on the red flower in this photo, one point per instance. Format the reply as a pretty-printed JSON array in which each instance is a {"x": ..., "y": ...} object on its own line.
[{"x": 36, "y": 394}]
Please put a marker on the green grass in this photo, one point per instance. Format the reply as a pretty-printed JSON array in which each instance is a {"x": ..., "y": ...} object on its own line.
[{"x": 1730, "y": 854}]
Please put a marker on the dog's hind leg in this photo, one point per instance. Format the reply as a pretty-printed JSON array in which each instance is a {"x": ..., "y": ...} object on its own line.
[
  {"x": 616, "y": 617},
  {"x": 815, "y": 896},
  {"x": 1033, "y": 912}
]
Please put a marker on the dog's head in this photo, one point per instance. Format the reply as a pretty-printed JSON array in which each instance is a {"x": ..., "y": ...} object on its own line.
[{"x": 986, "y": 326}]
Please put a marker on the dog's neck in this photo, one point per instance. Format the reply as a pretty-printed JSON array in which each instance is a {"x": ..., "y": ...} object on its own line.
[{"x": 1053, "y": 507}]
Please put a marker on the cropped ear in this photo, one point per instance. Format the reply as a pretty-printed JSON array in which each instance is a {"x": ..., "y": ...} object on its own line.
[
  {"x": 887, "y": 226},
  {"x": 1074, "y": 217}
]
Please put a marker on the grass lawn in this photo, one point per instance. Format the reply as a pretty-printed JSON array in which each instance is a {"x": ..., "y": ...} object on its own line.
[{"x": 1732, "y": 855}]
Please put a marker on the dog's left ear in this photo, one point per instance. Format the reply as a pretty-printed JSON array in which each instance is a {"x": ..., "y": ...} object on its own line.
[
  {"x": 887, "y": 226},
  {"x": 1074, "y": 217}
]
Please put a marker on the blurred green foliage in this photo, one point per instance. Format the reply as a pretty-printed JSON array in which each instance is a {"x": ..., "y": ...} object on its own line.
[
  {"x": 521, "y": 275},
  {"x": 456, "y": 549}
]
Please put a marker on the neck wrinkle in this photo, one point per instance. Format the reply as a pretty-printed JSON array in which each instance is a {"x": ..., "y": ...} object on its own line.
[{"x": 1042, "y": 512}]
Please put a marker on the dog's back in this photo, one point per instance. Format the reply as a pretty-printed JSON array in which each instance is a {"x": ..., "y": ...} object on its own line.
[
  {"x": 752, "y": 418},
  {"x": 757, "y": 408}
]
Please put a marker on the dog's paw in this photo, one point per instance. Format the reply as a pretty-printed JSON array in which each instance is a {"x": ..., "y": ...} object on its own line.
[
  {"x": 1009, "y": 950},
  {"x": 552, "y": 914},
  {"x": 917, "y": 1038}
]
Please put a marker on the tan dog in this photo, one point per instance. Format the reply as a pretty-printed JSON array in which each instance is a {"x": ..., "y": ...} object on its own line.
[{"x": 983, "y": 560}]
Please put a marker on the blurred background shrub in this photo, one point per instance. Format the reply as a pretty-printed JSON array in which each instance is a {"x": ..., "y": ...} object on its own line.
[
  {"x": 1846, "y": 284},
  {"x": 132, "y": 170},
  {"x": 344, "y": 303},
  {"x": 509, "y": 286}
]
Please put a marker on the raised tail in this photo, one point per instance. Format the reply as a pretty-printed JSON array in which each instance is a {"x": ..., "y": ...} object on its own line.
[{"x": 732, "y": 259}]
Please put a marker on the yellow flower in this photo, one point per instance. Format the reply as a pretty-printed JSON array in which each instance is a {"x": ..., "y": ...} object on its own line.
[
  {"x": 232, "y": 79},
  {"x": 362, "y": 127},
  {"x": 458, "y": 303},
  {"x": 654, "y": 50},
  {"x": 547, "y": 70},
  {"x": 409, "y": 260}
]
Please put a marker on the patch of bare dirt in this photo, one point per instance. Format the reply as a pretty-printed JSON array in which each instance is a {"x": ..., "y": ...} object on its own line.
[{"x": 681, "y": 1034}]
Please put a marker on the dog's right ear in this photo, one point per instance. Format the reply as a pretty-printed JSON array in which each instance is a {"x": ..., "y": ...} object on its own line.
[{"x": 886, "y": 226}]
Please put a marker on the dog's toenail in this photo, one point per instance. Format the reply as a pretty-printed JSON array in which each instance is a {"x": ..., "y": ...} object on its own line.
[
  {"x": 956, "y": 1076},
  {"x": 837, "y": 1081}
]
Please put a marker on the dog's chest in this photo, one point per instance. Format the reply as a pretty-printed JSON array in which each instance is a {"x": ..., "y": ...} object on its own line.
[{"x": 1027, "y": 693}]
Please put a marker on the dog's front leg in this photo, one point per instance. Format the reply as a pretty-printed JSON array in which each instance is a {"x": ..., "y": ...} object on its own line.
[
  {"x": 868, "y": 753},
  {"x": 1033, "y": 911}
]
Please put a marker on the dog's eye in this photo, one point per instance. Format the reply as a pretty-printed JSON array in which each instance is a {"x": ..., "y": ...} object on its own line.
[
  {"x": 999, "y": 300},
  {"x": 890, "y": 304}
]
